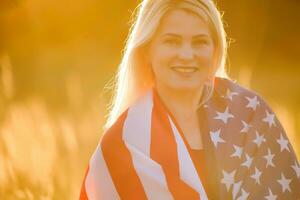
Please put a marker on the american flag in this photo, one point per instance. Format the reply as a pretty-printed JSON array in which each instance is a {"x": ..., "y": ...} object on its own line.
[{"x": 145, "y": 155}]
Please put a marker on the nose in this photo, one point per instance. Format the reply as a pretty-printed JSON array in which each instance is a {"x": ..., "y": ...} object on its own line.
[{"x": 186, "y": 52}]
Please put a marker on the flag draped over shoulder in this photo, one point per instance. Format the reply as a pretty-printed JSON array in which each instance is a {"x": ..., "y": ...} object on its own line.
[{"x": 145, "y": 155}]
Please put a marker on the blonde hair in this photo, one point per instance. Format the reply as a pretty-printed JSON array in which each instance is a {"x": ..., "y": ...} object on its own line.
[{"x": 134, "y": 77}]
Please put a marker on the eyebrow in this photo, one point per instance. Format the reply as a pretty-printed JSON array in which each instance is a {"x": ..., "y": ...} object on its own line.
[{"x": 202, "y": 35}]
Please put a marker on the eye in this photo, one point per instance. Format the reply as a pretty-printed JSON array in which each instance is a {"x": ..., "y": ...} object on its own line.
[
  {"x": 172, "y": 42},
  {"x": 200, "y": 42}
]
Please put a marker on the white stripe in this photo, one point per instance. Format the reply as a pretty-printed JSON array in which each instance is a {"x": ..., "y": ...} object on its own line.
[
  {"x": 151, "y": 175},
  {"x": 137, "y": 126},
  {"x": 187, "y": 169},
  {"x": 137, "y": 137},
  {"x": 98, "y": 183}
]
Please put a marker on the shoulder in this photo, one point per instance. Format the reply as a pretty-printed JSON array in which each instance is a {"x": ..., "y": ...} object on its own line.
[
  {"x": 125, "y": 127},
  {"x": 113, "y": 135},
  {"x": 225, "y": 87},
  {"x": 246, "y": 104},
  {"x": 224, "y": 84}
]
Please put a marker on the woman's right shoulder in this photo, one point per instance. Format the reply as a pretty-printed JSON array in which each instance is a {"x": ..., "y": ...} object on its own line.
[{"x": 114, "y": 133}]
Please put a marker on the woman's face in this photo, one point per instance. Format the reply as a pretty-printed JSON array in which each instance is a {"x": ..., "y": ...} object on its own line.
[{"x": 181, "y": 51}]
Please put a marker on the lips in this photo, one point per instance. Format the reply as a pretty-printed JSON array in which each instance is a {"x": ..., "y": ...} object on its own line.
[{"x": 184, "y": 69}]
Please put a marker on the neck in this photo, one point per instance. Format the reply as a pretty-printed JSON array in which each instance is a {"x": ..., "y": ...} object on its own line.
[{"x": 180, "y": 102}]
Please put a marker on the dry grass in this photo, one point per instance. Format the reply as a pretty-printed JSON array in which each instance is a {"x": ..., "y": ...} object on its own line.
[{"x": 43, "y": 153}]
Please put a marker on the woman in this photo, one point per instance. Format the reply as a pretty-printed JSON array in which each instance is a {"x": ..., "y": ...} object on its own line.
[{"x": 178, "y": 127}]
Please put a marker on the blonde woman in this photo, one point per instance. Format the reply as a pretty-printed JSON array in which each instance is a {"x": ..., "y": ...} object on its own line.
[{"x": 178, "y": 127}]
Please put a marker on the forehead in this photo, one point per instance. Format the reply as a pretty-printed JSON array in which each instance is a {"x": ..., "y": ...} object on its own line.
[{"x": 183, "y": 22}]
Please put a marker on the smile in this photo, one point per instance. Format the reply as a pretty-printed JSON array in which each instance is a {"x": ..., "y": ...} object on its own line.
[{"x": 185, "y": 69}]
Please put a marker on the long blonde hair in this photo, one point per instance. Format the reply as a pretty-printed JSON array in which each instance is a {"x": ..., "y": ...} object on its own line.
[{"x": 133, "y": 77}]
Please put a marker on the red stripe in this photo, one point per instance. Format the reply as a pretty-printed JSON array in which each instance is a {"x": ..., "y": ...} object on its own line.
[
  {"x": 83, "y": 195},
  {"x": 164, "y": 151},
  {"x": 119, "y": 162},
  {"x": 198, "y": 158}
]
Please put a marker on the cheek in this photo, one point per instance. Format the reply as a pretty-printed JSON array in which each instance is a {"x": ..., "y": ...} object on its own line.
[
  {"x": 206, "y": 56},
  {"x": 161, "y": 57},
  {"x": 206, "y": 52}
]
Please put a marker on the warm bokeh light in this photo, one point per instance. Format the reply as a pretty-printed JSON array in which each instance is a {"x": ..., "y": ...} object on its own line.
[{"x": 56, "y": 57}]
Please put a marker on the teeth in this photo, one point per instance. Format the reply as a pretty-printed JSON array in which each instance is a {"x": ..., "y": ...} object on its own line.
[{"x": 184, "y": 69}]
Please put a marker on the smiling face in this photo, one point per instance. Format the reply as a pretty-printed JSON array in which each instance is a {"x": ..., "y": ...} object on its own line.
[{"x": 181, "y": 51}]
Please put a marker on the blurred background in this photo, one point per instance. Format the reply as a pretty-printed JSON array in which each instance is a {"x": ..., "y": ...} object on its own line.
[{"x": 57, "y": 56}]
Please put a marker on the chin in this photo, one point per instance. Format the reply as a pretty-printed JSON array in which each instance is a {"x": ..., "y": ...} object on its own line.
[{"x": 185, "y": 86}]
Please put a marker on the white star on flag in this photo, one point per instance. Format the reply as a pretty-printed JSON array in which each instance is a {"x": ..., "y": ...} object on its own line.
[
  {"x": 269, "y": 119},
  {"x": 228, "y": 178},
  {"x": 283, "y": 143},
  {"x": 238, "y": 151},
  {"x": 285, "y": 183},
  {"x": 248, "y": 161},
  {"x": 259, "y": 139},
  {"x": 253, "y": 103},
  {"x": 215, "y": 137},
  {"x": 296, "y": 168},
  {"x": 246, "y": 127},
  {"x": 224, "y": 116},
  {"x": 244, "y": 195},
  {"x": 271, "y": 196},
  {"x": 236, "y": 188},
  {"x": 229, "y": 94},
  {"x": 269, "y": 158},
  {"x": 256, "y": 175}
]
